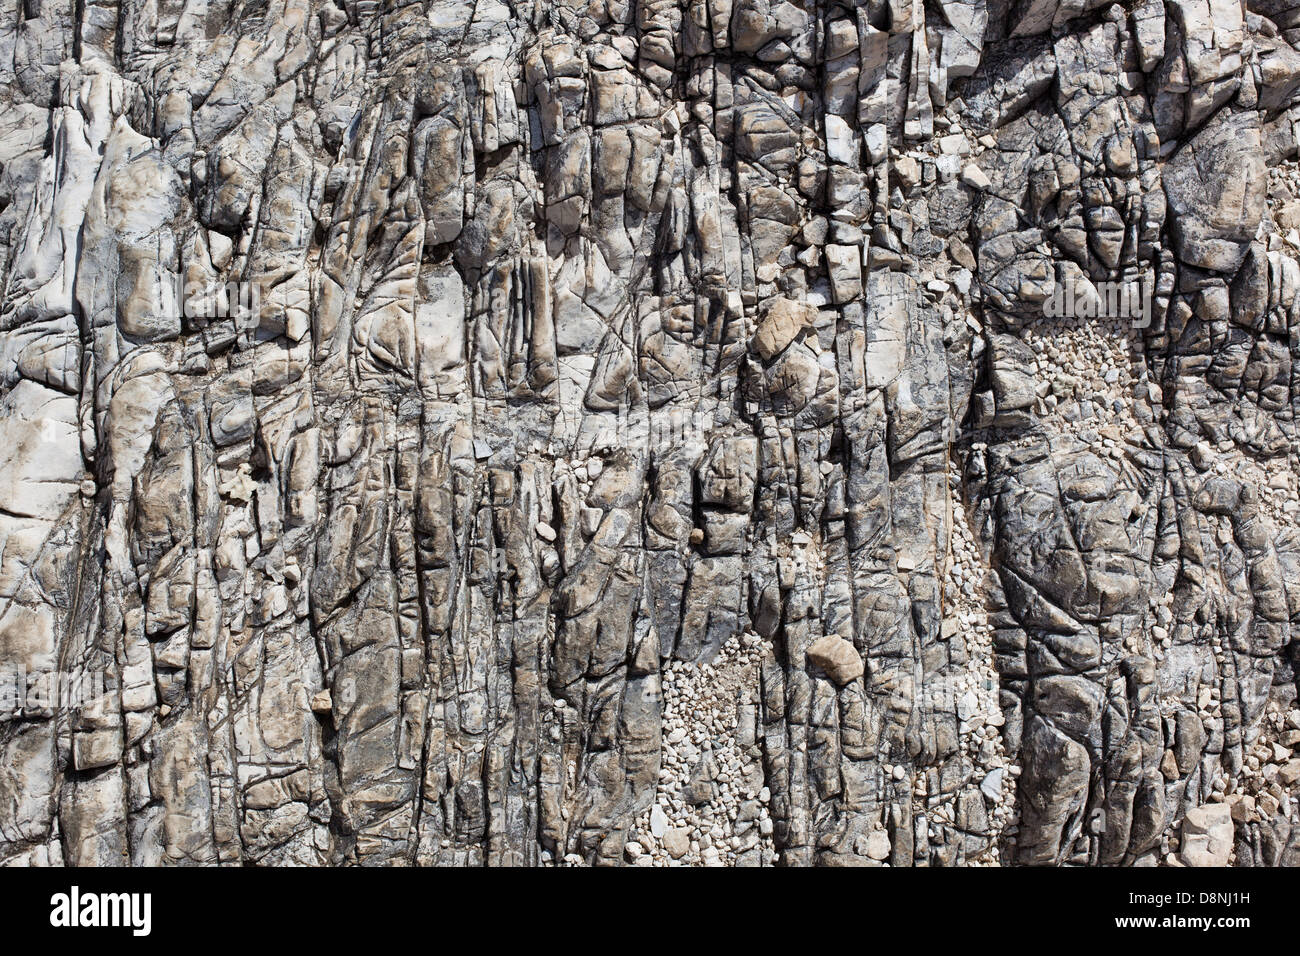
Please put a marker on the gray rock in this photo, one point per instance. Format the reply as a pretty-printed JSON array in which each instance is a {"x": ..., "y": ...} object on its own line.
[{"x": 471, "y": 436}]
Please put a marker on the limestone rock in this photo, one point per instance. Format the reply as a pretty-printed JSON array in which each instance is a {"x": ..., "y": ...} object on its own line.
[
  {"x": 729, "y": 433},
  {"x": 1207, "y": 835},
  {"x": 838, "y": 658},
  {"x": 784, "y": 321}
]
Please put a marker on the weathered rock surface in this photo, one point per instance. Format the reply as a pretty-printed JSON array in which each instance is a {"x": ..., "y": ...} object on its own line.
[{"x": 504, "y": 433}]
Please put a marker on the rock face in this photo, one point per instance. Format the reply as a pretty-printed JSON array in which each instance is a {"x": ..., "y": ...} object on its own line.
[{"x": 669, "y": 433}]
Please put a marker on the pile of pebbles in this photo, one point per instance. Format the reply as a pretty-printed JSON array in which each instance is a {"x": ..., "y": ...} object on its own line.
[
  {"x": 711, "y": 808},
  {"x": 978, "y": 710},
  {"x": 1088, "y": 373}
]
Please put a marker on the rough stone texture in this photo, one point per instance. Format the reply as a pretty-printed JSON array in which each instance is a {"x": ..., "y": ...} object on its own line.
[{"x": 643, "y": 441}]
